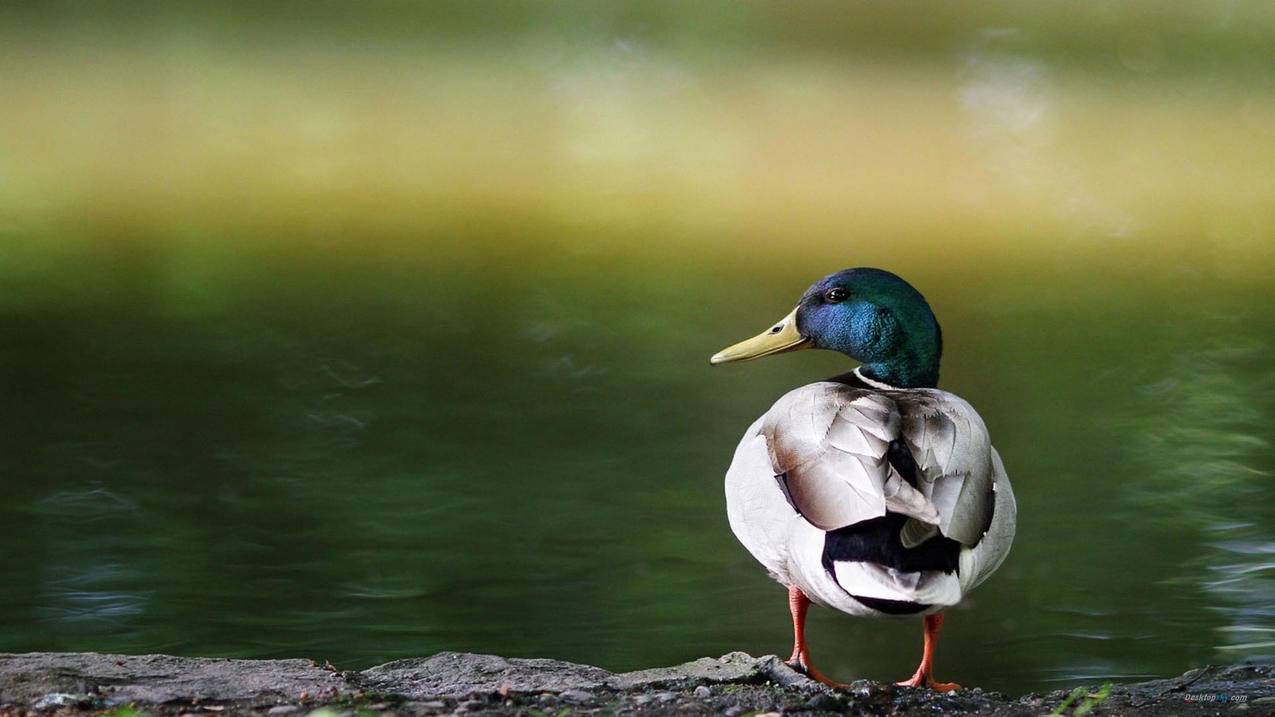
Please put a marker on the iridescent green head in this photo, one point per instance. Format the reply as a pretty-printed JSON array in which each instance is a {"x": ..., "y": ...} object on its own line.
[{"x": 870, "y": 315}]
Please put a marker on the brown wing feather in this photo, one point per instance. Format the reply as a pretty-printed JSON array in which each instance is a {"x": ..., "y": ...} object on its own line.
[{"x": 828, "y": 443}]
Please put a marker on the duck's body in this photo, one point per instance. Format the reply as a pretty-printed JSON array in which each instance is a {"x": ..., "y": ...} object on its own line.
[
  {"x": 861, "y": 494},
  {"x": 875, "y": 502}
]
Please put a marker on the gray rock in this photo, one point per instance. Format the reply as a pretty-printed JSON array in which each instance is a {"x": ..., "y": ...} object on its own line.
[
  {"x": 732, "y": 667},
  {"x": 576, "y": 696},
  {"x": 454, "y": 674},
  {"x": 154, "y": 679},
  {"x": 823, "y": 702},
  {"x": 781, "y": 674},
  {"x": 505, "y": 687}
]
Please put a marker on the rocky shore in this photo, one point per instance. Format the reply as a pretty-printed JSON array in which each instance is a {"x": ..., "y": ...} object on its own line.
[{"x": 736, "y": 684}]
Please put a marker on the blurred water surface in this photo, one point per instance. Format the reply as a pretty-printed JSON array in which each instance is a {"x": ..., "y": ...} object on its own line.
[{"x": 364, "y": 338}]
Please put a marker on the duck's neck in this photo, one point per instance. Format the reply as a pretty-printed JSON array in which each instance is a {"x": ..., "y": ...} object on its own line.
[
  {"x": 914, "y": 363},
  {"x": 901, "y": 373}
]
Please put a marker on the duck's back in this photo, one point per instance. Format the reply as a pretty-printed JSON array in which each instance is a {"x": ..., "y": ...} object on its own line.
[{"x": 872, "y": 500}]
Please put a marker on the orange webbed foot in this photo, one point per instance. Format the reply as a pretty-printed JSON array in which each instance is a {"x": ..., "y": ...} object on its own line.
[{"x": 921, "y": 680}]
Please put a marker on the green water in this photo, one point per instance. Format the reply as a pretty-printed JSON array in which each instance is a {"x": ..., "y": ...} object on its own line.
[
  {"x": 364, "y": 331},
  {"x": 359, "y": 458}
]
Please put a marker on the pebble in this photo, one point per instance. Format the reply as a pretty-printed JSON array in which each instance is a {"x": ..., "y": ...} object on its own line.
[
  {"x": 56, "y": 699},
  {"x": 703, "y": 692},
  {"x": 666, "y": 697},
  {"x": 282, "y": 710},
  {"x": 862, "y": 688},
  {"x": 735, "y": 711},
  {"x": 641, "y": 700},
  {"x": 432, "y": 705}
]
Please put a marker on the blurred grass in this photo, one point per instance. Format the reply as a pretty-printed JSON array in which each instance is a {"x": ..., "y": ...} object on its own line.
[{"x": 1138, "y": 137}]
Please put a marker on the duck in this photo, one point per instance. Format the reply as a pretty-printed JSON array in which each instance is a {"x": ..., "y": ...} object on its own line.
[{"x": 873, "y": 492}]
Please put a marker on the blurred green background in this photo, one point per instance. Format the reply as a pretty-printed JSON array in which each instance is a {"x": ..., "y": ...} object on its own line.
[{"x": 365, "y": 330}]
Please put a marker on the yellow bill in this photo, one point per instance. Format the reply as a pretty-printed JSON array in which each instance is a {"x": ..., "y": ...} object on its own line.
[{"x": 779, "y": 338}]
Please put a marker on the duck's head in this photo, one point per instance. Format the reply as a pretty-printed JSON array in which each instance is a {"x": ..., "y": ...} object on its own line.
[{"x": 870, "y": 315}]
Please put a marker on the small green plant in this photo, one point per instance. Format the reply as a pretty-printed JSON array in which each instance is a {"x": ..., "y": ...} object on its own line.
[
  {"x": 1087, "y": 701},
  {"x": 125, "y": 711}
]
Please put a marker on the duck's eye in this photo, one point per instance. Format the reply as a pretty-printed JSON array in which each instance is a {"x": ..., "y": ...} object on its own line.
[{"x": 835, "y": 296}]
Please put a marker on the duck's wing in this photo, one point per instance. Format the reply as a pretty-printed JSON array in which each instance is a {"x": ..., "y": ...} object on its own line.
[
  {"x": 830, "y": 446},
  {"x": 845, "y": 455},
  {"x": 953, "y": 453},
  {"x": 983, "y": 560}
]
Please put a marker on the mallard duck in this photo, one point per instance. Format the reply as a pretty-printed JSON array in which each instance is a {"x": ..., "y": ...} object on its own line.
[{"x": 872, "y": 492}]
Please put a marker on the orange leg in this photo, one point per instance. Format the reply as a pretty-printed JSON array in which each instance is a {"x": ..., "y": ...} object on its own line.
[
  {"x": 924, "y": 676},
  {"x": 800, "y": 660}
]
